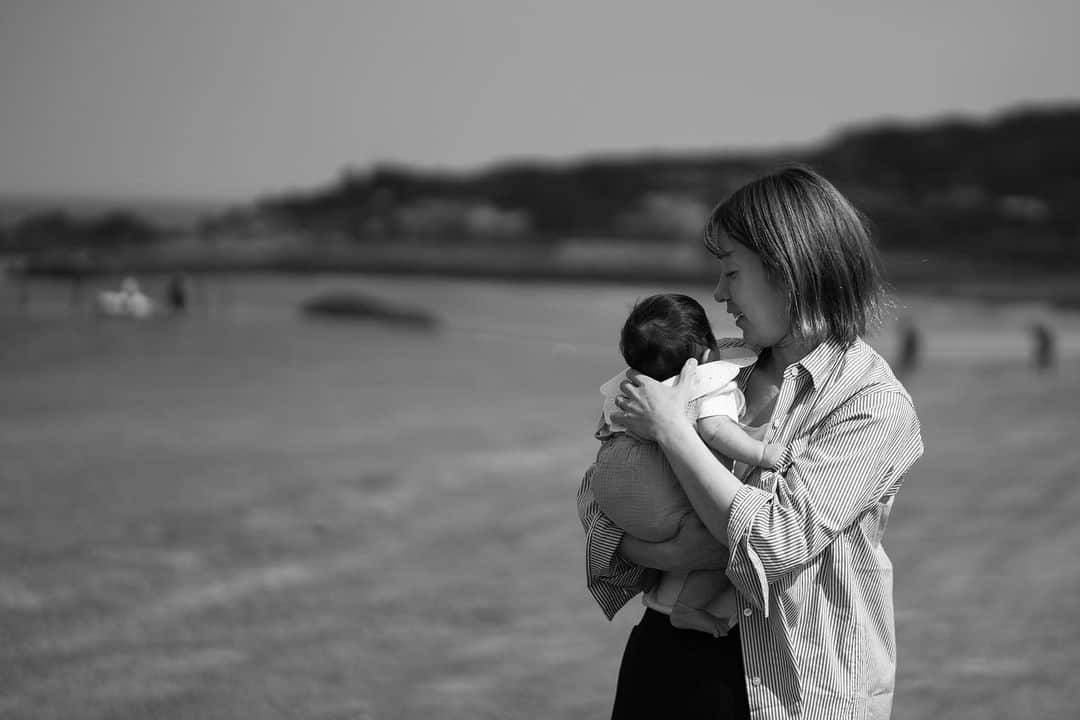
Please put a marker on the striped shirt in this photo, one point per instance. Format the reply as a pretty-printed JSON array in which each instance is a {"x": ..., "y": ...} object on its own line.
[{"x": 814, "y": 582}]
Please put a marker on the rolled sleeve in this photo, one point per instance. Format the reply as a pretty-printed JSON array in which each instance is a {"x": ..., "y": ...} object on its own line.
[
  {"x": 744, "y": 567},
  {"x": 611, "y": 579}
]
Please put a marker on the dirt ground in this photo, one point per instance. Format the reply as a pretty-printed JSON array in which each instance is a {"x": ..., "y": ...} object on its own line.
[{"x": 244, "y": 514}]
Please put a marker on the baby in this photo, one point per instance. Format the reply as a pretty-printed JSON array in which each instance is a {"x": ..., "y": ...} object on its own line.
[{"x": 632, "y": 481}]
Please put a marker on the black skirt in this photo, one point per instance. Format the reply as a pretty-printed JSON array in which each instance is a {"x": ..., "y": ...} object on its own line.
[{"x": 669, "y": 672}]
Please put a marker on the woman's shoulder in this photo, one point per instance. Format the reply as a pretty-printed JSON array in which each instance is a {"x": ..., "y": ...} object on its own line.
[
  {"x": 858, "y": 383},
  {"x": 878, "y": 394},
  {"x": 867, "y": 372}
]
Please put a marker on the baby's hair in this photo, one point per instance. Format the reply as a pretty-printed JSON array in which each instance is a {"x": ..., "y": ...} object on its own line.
[{"x": 662, "y": 332}]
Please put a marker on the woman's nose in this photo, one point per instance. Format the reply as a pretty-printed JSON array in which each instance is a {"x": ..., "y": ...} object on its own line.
[{"x": 720, "y": 293}]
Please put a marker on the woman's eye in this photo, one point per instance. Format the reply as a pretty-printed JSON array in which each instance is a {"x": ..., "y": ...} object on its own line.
[{"x": 733, "y": 273}]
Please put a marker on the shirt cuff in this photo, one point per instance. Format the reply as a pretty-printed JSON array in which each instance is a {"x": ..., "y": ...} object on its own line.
[
  {"x": 747, "y": 501},
  {"x": 745, "y": 569},
  {"x": 612, "y": 579},
  {"x": 604, "y": 561}
]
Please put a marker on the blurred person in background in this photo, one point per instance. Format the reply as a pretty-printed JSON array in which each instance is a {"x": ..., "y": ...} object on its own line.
[
  {"x": 910, "y": 350},
  {"x": 176, "y": 294},
  {"x": 801, "y": 542},
  {"x": 1043, "y": 351}
]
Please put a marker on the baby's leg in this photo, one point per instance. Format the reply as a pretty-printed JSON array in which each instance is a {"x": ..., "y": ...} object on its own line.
[
  {"x": 705, "y": 603},
  {"x": 725, "y": 604}
]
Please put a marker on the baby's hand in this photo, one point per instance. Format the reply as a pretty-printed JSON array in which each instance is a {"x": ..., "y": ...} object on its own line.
[{"x": 770, "y": 458}]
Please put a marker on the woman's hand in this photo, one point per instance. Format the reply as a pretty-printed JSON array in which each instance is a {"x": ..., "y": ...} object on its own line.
[
  {"x": 692, "y": 548},
  {"x": 647, "y": 407}
]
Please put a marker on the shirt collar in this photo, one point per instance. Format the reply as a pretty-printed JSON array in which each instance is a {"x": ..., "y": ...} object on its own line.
[
  {"x": 820, "y": 360},
  {"x": 712, "y": 376}
]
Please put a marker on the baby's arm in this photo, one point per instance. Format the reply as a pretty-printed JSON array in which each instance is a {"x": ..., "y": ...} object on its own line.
[{"x": 724, "y": 435}]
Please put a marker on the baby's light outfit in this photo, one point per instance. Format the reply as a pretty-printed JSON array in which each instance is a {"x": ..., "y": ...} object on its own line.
[{"x": 636, "y": 488}]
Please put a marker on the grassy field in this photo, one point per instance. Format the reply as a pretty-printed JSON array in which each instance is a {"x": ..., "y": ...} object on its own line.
[{"x": 243, "y": 513}]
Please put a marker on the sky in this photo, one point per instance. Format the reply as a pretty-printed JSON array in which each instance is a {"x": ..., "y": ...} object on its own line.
[{"x": 239, "y": 98}]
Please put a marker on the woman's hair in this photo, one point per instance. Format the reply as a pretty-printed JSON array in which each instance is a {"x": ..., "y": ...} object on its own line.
[
  {"x": 662, "y": 332},
  {"x": 813, "y": 243}
]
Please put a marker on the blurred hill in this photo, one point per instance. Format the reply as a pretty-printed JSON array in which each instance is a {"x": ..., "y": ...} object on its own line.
[
  {"x": 998, "y": 190},
  {"x": 169, "y": 213},
  {"x": 1004, "y": 188}
]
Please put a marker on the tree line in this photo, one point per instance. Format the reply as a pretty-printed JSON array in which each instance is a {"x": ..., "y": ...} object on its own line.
[{"x": 1002, "y": 187}]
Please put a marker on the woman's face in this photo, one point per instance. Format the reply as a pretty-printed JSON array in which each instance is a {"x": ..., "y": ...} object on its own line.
[{"x": 759, "y": 307}]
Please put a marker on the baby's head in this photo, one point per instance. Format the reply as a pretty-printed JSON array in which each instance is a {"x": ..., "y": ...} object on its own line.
[{"x": 663, "y": 332}]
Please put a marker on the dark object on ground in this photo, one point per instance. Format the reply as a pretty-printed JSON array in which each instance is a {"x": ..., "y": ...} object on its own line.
[{"x": 356, "y": 306}]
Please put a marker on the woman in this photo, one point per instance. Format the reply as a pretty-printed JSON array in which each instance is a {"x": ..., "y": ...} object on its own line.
[{"x": 801, "y": 542}]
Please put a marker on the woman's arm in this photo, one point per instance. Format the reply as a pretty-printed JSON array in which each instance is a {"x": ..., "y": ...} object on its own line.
[
  {"x": 692, "y": 548},
  {"x": 856, "y": 457},
  {"x": 708, "y": 484}
]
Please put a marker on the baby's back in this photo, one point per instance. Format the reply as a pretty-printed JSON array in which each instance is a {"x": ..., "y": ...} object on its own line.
[{"x": 636, "y": 488}]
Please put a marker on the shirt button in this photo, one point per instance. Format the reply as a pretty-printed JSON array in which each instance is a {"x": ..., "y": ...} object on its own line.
[
  {"x": 776, "y": 423},
  {"x": 756, "y": 680},
  {"x": 747, "y": 612}
]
